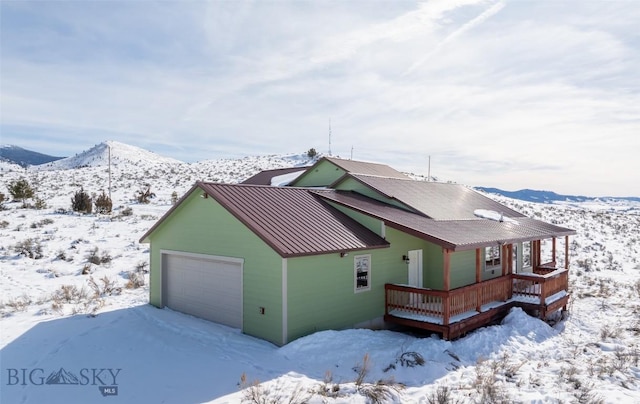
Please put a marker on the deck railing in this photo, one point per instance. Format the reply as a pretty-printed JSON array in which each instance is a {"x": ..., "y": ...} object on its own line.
[
  {"x": 441, "y": 306},
  {"x": 537, "y": 287}
]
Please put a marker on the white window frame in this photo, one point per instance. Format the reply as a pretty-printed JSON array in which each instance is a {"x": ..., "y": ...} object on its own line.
[
  {"x": 495, "y": 262},
  {"x": 361, "y": 268}
]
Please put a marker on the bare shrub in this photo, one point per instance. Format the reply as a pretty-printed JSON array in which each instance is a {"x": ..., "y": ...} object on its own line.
[
  {"x": 380, "y": 392},
  {"x": 489, "y": 390},
  {"x": 106, "y": 287},
  {"x": 362, "y": 369},
  {"x": 442, "y": 395},
  {"x": 145, "y": 195},
  {"x": 136, "y": 280},
  {"x": 142, "y": 267},
  {"x": 30, "y": 248},
  {"x": 256, "y": 393},
  {"x": 69, "y": 294},
  {"x": 328, "y": 388},
  {"x": 94, "y": 258},
  {"x": 586, "y": 395},
  {"x": 103, "y": 203},
  {"x": 411, "y": 359},
  {"x": 17, "y": 304},
  {"x": 39, "y": 203}
]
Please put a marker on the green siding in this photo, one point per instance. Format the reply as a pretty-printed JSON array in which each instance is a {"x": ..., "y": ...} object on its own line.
[
  {"x": 321, "y": 288},
  {"x": 463, "y": 268},
  {"x": 202, "y": 226},
  {"x": 433, "y": 261},
  {"x": 371, "y": 223},
  {"x": 323, "y": 174}
]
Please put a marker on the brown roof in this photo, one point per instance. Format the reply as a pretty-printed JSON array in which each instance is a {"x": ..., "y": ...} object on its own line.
[
  {"x": 362, "y": 167},
  {"x": 266, "y": 176},
  {"x": 437, "y": 200},
  {"x": 293, "y": 221},
  {"x": 456, "y": 235}
]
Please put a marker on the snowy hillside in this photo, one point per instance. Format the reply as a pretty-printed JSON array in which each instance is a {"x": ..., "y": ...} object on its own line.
[
  {"x": 23, "y": 157},
  {"x": 74, "y": 312},
  {"x": 98, "y": 156}
]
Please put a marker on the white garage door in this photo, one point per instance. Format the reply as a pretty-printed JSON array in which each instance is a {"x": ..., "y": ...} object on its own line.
[{"x": 205, "y": 287}]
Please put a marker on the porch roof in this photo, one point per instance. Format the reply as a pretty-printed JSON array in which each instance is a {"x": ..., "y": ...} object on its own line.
[
  {"x": 436, "y": 200},
  {"x": 456, "y": 235}
]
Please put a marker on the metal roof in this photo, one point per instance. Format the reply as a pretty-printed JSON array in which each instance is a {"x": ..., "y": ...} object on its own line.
[
  {"x": 456, "y": 235},
  {"x": 293, "y": 221},
  {"x": 437, "y": 200},
  {"x": 264, "y": 177},
  {"x": 363, "y": 167}
]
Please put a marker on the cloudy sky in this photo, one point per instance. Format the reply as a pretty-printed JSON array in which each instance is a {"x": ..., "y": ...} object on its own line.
[{"x": 512, "y": 94}]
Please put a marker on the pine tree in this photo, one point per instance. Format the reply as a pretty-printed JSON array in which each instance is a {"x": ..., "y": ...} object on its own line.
[
  {"x": 21, "y": 190},
  {"x": 81, "y": 202}
]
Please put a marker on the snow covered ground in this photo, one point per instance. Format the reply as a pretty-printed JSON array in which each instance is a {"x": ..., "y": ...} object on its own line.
[{"x": 86, "y": 328}]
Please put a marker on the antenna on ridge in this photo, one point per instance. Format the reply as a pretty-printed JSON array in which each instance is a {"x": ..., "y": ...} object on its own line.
[{"x": 329, "y": 137}]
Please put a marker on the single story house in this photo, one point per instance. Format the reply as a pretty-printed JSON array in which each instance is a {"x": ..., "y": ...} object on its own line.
[{"x": 352, "y": 244}]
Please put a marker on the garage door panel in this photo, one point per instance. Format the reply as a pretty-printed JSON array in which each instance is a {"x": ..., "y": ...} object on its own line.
[{"x": 206, "y": 288}]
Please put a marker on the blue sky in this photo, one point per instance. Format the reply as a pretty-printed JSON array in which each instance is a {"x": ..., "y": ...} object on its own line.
[{"x": 512, "y": 94}]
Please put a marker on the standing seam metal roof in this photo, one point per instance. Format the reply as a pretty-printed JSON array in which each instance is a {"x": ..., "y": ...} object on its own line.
[
  {"x": 293, "y": 221},
  {"x": 436, "y": 200},
  {"x": 362, "y": 167},
  {"x": 456, "y": 235}
]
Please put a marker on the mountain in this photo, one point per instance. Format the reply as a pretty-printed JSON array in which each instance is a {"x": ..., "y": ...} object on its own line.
[
  {"x": 532, "y": 195},
  {"x": 98, "y": 156},
  {"x": 24, "y": 157},
  {"x": 62, "y": 377}
]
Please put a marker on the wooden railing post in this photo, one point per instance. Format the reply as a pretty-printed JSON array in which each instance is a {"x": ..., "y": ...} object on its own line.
[
  {"x": 386, "y": 300},
  {"x": 446, "y": 310},
  {"x": 566, "y": 252}
]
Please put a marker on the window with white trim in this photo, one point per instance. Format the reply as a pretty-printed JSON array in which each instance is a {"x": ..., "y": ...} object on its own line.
[
  {"x": 492, "y": 258},
  {"x": 362, "y": 273}
]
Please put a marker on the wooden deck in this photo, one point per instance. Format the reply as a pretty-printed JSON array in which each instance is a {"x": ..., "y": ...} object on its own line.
[{"x": 456, "y": 312}]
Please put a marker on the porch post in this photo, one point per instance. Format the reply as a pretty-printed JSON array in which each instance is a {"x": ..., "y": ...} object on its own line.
[
  {"x": 566, "y": 252},
  {"x": 446, "y": 286},
  {"x": 504, "y": 257},
  {"x": 478, "y": 265},
  {"x": 478, "y": 279},
  {"x": 553, "y": 249},
  {"x": 447, "y": 269}
]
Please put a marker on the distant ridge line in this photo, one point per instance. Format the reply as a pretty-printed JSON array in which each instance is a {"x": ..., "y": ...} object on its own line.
[{"x": 532, "y": 195}]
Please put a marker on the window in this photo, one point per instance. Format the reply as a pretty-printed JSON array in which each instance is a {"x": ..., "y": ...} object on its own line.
[
  {"x": 492, "y": 258},
  {"x": 362, "y": 273},
  {"x": 526, "y": 255}
]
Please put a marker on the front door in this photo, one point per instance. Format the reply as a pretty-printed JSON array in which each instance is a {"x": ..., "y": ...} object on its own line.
[{"x": 415, "y": 268}]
